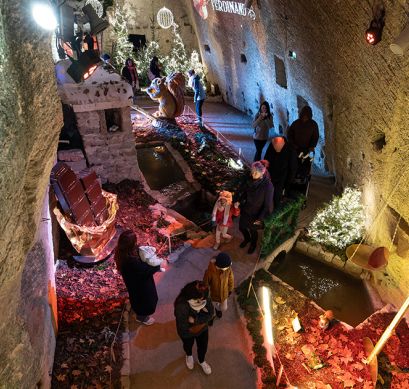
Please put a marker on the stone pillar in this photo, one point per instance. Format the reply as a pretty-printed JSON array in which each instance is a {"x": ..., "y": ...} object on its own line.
[{"x": 30, "y": 122}]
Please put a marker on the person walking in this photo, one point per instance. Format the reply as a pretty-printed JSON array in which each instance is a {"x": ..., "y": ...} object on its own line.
[
  {"x": 138, "y": 278},
  {"x": 199, "y": 96},
  {"x": 262, "y": 124},
  {"x": 303, "y": 133},
  {"x": 220, "y": 279},
  {"x": 193, "y": 311},
  {"x": 256, "y": 204},
  {"x": 282, "y": 168},
  {"x": 131, "y": 75}
]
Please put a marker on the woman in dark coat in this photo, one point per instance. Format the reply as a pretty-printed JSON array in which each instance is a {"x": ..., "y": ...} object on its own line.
[
  {"x": 130, "y": 73},
  {"x": 282, "y": 160},
  {"x": 193, "y": 312},
  {"x": 155, "y": 67},
  {"x": 138, "y": 277},
  {"x": 256, "y": 204}
]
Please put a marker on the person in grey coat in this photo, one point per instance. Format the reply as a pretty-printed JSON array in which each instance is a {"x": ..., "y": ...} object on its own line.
[
  {"x": 200, "y": 94},
  {"x": 194, "y": 311},
  {"x": 262, "y": 124}
]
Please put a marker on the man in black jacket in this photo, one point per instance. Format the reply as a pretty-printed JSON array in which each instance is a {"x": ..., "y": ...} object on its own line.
[
  {"x": 282, "y": 166},
  {"x": 303, "y": 134}
]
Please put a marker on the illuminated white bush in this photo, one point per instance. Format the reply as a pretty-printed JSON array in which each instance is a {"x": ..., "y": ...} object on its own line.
[{"x": 341, "y": 222}]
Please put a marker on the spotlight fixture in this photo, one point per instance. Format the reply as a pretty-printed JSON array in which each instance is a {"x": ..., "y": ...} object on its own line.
[
  {"x": 44, "y": 15},
  {"x": 86, "y": 65},
  {"x": 373, "y": 34}
]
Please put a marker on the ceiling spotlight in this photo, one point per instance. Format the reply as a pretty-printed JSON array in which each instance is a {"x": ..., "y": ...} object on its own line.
[
  {"x": 44, "y": 15},
  {"x": 373, "y": 34}
]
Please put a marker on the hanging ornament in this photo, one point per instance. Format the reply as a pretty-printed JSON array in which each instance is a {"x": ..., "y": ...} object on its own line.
[
  {"x": 99, "y": 9},
  {"x": 165, "y": 18}
]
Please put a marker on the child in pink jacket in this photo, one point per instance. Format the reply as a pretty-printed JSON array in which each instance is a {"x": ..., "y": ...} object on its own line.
[{"x": 223, "y": 212}]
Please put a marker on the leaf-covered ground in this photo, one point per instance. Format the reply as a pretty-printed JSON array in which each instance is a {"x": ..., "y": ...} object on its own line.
[
  {"x": 339, "y": 348},
  {"x": 91, "y": 300}
]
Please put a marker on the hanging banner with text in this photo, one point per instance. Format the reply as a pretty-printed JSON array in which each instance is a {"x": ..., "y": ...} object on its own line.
[{"x": 232, "y": 7}]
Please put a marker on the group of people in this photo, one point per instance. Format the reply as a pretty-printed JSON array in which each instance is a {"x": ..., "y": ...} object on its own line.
[
  {"x": 196, "y": 306},
  {"x": 130, "y": 73},
  {"x": 283, "y": 154},
  {"x": 81, "y": 41}
]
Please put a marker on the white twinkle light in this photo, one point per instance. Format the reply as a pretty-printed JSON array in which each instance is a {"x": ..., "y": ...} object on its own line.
[
  {"x": 44, "y": 16},
  {"x": 341, "y": 222}
]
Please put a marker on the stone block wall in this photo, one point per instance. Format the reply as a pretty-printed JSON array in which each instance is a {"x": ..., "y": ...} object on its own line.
[
  {"x": 111, "y": 155},
  {"x": 30, "y": 123},
  {"x": 359, "y": 95}
]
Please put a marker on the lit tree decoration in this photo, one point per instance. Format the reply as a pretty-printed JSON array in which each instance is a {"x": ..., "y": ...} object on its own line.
[
  {"x": 123, "y": 49},
  {"x": 341, "y": 222},
  {"x": 143, "y": 59},
  {"x": 177, "y": 60},
  {"x": 99, "y": 9},
  {"x": 196, "y": 65},
  {"x": 165, "y": 18}
]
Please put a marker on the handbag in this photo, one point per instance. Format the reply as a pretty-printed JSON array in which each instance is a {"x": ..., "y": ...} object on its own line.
[{"x": 197, "y": 328}]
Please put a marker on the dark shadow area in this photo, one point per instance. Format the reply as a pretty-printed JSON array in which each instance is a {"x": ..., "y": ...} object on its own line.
[
  {"x": 159, "y": 167},
  {"x": 328, "y": 287},
  {"x": 197, "y": 208}
]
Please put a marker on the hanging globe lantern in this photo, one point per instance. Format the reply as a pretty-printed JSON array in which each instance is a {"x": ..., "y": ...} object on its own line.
[
  {"x": 99, "y": 9},
  {"x": 165, "y": 18}
]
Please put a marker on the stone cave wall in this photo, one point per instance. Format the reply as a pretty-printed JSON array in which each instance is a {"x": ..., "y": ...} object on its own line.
[
  {"x": 139, "y": 22},
  {"x": 359, "y": 96},
  {"x": 30, "y": 122}
]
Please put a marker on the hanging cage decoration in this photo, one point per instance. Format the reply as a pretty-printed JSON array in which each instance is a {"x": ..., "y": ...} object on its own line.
[
  {"x": 165, "y": 18},
  {"x": 99, "y": 9}
]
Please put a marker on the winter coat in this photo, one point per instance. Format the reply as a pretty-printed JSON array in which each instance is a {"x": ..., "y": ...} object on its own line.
[
  {"x": 283, "y": 165},
  {"x": 221, "y": 283},
  {"x": 258, "y": 200},
  {"x": 220, "y": 216},
  {"x": 126, "y": 73},
  {"x": 138, "y": 278},
  {"x": 197, "y": 86},
  {"x": 303, "y": 135},
  {"x": 262, "y": 127},
  {"x": 183, "y": 311},
  {"x": 155, "y": 69}
]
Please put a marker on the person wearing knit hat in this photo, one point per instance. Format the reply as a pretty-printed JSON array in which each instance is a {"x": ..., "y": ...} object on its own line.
[
  {"x": 222, "y": 215},
  {"x": 220, "y": 279}
]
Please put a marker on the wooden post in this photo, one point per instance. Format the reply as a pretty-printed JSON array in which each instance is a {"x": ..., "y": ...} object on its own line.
[{"x": 388, "y": 332}]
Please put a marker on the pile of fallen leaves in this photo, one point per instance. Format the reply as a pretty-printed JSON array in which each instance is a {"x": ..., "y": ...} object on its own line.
[
  {"x": 208, "y": 158},
  {"x": 314, "y": 358},
  {"x": 90, "y": 305},
  {"x": 91, "y": 300}
]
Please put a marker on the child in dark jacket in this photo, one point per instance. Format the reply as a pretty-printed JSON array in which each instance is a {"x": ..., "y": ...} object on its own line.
[
  {"x": 220, "y": 279},
  {"x": 193, "y": 311}
]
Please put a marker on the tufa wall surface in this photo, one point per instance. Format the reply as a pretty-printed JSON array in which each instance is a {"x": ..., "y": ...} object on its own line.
[
  {"x": 30, "y": 121},
  {"x": 359, "y": 95}
]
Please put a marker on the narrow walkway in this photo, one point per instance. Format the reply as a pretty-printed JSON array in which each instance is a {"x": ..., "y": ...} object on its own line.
[{"x": 157, "y": 357}]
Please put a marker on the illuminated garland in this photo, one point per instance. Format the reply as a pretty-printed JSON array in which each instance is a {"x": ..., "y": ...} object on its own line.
[
  {"x": 341, "y": 222},
  {"x": 123, "y": 48}
]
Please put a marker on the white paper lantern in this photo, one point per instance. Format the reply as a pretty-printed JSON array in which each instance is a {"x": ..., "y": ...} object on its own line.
[
  {"x": 99, "y": 9},
  {"x": 165, "y": 18}
]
